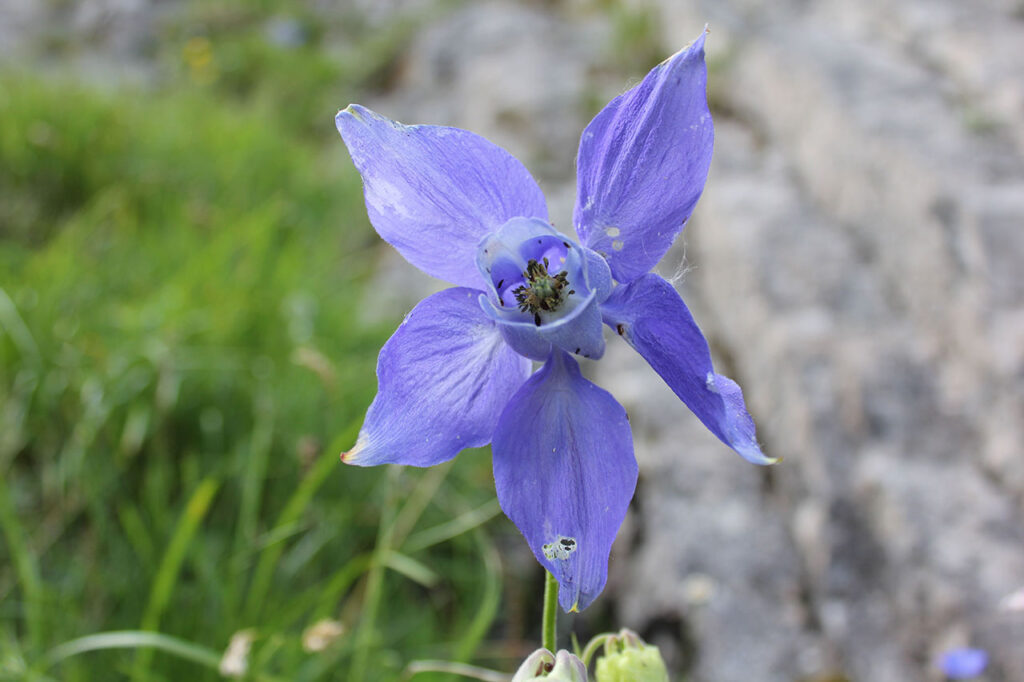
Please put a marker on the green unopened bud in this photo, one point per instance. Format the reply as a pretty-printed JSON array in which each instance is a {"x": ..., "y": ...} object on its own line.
[
  {"x": 543, "y": 666},
  {"x": 627, "y": 658}
]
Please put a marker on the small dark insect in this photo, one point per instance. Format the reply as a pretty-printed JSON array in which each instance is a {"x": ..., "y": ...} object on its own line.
[{"x": 560, "y": 549}]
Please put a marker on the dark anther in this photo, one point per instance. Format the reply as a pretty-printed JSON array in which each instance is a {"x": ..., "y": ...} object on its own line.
[
  {"x": 567, "y": 245},
  {"x": 577, "y": 351},
  {"x": 500, "y": 282},
  {"x": 536, "y": 319},
  {"x": 541, "y": 290},
  {"x": 620, "y": 329}
]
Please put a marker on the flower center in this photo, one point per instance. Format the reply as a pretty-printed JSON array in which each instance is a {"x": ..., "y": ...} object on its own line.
[{"x": 541, "y": 291}]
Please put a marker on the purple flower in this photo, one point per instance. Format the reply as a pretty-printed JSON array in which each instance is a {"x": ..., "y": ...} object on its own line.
[
  {"x": 457, "y": 372},
  {"x": 962, "y": 664}
]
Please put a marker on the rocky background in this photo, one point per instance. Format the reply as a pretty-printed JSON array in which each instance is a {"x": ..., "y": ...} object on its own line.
[{"x": 855, "y": 261}]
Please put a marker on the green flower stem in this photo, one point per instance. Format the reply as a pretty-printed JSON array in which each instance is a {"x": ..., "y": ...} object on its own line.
[
  {"x": 592, "y": 646},
  {"x": 549, "y": 625}
]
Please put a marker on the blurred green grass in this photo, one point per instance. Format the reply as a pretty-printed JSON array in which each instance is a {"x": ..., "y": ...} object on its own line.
[{"x": 183, "y": 353}]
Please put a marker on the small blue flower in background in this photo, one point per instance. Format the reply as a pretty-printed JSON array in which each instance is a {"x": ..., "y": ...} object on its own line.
[
  {"x": 963, "y": 664},
  {"x": 457, "y": 372}
]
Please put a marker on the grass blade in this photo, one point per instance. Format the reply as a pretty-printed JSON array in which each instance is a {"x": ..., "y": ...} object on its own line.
[
  {"x": 254, "y": 473},
  {"x": 450, "y": 529},
  {"x": 170, "y": 566},
  {"x": 461, "y": 669},
  {"x": 11, "y": 322},
  {"x": 25, "y": 565},
  {"x": 366, "y": 631},
  {"x": 421, "y": 496},
  {"x": 329, "y": 597},
  {"x": 410, "y": 568},
  {"x": 134, "y": 639},
  {"x": 489, "y": 602},
  {"x": 293, "y": 509}
]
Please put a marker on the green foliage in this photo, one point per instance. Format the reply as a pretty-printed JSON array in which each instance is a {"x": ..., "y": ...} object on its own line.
[
  {"x": 182, "y": 356},
  {"x": 283, "y": 56}
]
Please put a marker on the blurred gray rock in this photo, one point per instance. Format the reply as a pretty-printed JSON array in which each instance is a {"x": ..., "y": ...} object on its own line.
[
  {"x": 511, "y": 72},
  {"x": 857, "y": 260}
]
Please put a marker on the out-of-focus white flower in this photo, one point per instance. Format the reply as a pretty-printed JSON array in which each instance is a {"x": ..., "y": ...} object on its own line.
[
  {"x": 321, "y": 635},
  {"x": 235, "y": 661}
]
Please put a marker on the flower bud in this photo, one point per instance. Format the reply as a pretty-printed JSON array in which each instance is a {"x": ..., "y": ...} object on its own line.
[
  {"x": 543, "y": 666},
  {"x": 627, "y": 658}
]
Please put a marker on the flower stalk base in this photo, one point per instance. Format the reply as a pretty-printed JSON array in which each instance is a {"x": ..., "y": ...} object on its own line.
[{"x": 549, "y": 626}]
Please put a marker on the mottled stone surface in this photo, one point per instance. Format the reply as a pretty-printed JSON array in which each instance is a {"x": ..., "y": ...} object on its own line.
[{"x": 857, "y": 261}]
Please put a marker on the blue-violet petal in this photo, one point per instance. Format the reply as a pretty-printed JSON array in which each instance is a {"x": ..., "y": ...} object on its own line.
[
  {"x": 444, "y": 378},
  {"x": 432, "y": 192},
  {"x": 565, "y": 473},
  {"x": 651, "y": 316},
  {"x": 642, "y": 164}
]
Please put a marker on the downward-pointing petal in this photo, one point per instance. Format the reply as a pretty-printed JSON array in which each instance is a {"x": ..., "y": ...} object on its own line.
[
  {"x": 652, "y": 317},
  {"x": 432, "y": 192},
  {"x": 565, "y": 473},
  {"x": 444, "y": 377}
]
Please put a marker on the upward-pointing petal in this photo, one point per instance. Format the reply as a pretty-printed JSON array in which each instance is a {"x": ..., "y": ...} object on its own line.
[
  {"x": 565, "y": 473},
  {"x": 651, "y": 316},
  {"x": 444, "y": 377},
  {"x": 642, "y": 163},
  {"x": 432, "y": 192}
]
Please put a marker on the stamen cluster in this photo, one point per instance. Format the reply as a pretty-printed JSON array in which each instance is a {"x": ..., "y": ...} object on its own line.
[{"x": 542, "y": 291}]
